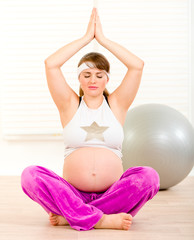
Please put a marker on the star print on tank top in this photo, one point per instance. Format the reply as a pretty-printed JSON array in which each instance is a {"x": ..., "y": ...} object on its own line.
[
  {"x": 95, "y": 131},
  {"x": 93, "y": 128}
]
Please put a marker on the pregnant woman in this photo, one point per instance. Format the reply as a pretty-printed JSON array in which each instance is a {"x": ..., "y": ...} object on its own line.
[{"x": 94, "y": 191}]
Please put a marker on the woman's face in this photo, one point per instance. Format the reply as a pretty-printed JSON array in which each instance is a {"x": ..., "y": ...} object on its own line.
[{"x": 93, "y": 81}]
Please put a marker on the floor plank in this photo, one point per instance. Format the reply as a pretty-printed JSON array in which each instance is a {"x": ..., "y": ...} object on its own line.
[{"x": 168, "y": 216}]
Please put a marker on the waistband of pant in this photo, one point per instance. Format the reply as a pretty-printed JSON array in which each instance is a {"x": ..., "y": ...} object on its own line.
[{"x": 93, "y": 196}]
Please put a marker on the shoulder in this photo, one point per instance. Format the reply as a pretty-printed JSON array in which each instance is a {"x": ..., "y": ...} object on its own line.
[
  {"x": 116, "y": 108},
  {"x": 67, "y": 113}
]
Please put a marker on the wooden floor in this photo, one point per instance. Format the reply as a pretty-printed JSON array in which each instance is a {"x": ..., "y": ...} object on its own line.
[{"x": 170, "y": 215}]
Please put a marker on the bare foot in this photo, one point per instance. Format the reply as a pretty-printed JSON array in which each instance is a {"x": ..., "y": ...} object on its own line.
[
  {"x": 57, "y": 220},
  {"x": 121, "y": 221}
]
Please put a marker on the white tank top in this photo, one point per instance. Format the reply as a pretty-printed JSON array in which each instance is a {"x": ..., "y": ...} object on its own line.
[{"x": 93, "y": 128}]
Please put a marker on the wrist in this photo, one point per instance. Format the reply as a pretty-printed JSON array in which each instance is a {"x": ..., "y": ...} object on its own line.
[
  {"x": 102, "y": 40},
  {"x": 86, "y": 39}
]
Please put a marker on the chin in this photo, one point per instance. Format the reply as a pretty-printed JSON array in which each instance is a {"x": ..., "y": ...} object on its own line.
[{"x": 93, "y": 93}]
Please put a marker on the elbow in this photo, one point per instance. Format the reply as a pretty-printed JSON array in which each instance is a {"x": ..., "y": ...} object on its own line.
[
  {"x": 138, "y": 66},
  {"x": 141, "y": 65},
  {"x": 50, "y": 64},
  {"x": 47, "y": 63}
]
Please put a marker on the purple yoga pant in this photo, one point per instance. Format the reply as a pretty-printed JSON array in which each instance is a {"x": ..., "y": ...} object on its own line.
[{"x": 83, "y": 210}]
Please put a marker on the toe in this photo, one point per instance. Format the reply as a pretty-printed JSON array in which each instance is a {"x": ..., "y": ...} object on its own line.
[
  {"x": 125, "y": 227},
  {"x": 126, "y": 224},
  {"x": 52, "y": 216},
  {"x": 127, "y": 221}
]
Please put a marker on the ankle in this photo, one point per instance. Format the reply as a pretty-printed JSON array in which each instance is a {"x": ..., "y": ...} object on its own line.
[{"x": 99, "y": 223}]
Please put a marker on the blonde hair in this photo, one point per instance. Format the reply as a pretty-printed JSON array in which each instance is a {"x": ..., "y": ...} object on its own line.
[{"x": 99, "y": 61}]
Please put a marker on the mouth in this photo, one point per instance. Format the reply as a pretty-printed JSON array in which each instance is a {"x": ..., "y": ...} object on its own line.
[{"x": 92, "y": 87}]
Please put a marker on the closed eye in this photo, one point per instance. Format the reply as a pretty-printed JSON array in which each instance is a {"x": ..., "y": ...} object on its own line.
[{"x": 89, "y": 76}]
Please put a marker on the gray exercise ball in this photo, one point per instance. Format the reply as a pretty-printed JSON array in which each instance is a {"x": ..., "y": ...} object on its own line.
[{"x": 159, "y": 136}]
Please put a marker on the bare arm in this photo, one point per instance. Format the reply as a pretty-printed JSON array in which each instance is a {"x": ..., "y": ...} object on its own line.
[
  {"x": 124, "y": 95},
  {"x": 61, "y": 92}
]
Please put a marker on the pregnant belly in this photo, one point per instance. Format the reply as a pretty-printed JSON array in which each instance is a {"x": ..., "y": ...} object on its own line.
[{"x": 92, "y": 169}]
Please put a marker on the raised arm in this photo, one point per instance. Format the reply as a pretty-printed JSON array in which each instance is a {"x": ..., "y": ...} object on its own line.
[
  {"x": 124, "y": 95},
  {"x": 61, "y": 92}
]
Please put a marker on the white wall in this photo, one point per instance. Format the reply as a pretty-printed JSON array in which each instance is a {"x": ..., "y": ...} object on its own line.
[{"x": 16, "y": 155}]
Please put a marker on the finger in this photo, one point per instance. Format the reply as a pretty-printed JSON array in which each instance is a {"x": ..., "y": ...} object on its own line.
[
  {"x": 95, "y": 18},
  {"x": 96, "y": 11},
  {"x": 92, "y": 14}
]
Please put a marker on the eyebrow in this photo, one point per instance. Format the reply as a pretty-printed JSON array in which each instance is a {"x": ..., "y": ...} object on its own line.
[{"x": 96, "y": 72}]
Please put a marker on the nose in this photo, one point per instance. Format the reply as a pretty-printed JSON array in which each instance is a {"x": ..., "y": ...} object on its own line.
[{"x": 93, "y": 79}]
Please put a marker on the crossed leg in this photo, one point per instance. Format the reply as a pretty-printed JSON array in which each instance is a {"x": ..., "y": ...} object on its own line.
[{"x": 112, "y": 209}]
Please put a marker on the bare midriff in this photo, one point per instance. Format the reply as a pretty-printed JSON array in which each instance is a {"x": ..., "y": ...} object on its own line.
[{"x": 92, "y": 169}]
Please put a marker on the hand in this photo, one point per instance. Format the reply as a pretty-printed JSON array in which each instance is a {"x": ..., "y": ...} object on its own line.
[
  {"x": 91, "y": 26},
  {"x": 98, "y": 28}
]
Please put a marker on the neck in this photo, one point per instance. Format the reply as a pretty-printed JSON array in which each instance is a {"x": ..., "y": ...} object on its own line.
[{"x": 93, "y": 102}]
